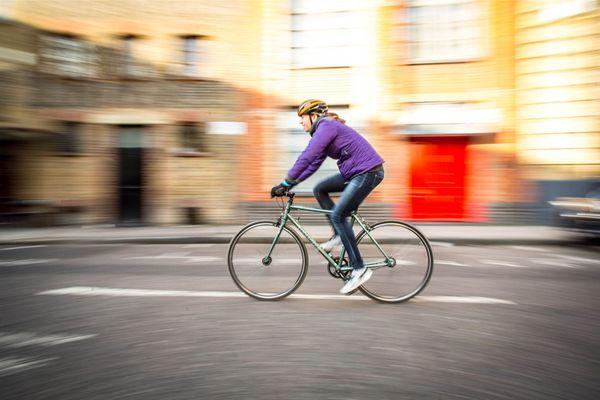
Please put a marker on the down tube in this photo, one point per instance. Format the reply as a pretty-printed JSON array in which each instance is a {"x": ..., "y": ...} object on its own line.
[{"x": 312, "y": 241}]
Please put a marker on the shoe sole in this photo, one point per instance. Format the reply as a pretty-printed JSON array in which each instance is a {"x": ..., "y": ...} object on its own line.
[{"x": 366, "y": 276}]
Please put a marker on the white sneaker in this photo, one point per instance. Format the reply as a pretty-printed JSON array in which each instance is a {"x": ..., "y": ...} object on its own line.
[
  {"x": 357, "y": 278},
  {"x": 334, "y": 242}
]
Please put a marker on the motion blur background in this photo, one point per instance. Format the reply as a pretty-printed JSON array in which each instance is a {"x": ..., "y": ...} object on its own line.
[{"x": 152, "y": 112}]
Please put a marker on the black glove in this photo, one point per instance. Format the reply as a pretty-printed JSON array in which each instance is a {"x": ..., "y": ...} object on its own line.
[
  {"x": 282, "y": 188},
  {"x": 279, "y": 190}
]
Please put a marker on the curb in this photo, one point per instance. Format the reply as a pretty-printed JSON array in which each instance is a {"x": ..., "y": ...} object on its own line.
[{"x": 227, "y": 239}]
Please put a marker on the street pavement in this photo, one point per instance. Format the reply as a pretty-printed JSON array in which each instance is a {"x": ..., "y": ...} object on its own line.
[{"x": 165, "y": 321}]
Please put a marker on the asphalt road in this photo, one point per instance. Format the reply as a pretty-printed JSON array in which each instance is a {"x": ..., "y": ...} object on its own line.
[{"x": 496, "y": 322}]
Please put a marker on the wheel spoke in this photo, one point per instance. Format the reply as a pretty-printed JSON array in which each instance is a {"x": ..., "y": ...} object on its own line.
[
  {"x": 280, "y": 275},
  {"x": 413, "y": 261}
]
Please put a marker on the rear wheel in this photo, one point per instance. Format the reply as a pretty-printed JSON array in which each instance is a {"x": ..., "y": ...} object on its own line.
[
  {"x": 262, "y": 277},
  {"x": 411, "y": 261}
]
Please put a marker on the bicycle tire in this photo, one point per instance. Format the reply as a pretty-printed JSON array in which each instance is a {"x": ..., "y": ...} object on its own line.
[
  {"x": 235, "y": 275},
  {"x": 369, "y": 287}
]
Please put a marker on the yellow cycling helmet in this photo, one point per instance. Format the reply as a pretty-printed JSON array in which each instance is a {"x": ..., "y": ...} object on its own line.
[{"x": 312, "y": 106}]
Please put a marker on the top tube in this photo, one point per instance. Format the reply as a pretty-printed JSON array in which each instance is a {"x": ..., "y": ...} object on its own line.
[
  {"x": 311, "y": 209},
  {"x": 291, "y": 196}
]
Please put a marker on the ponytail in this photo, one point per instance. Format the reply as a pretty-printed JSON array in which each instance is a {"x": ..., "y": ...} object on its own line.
[{"x": 334, "y": 116}]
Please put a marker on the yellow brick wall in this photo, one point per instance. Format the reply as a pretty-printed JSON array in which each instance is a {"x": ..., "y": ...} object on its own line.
[
  {"x": 232, "y": 28},
  {"x": 558, "y": 99}
]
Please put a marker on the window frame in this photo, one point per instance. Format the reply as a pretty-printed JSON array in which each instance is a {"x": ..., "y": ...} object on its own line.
[
  {"x": 479, "y": 22},
  {"x": 198, "y": 131},
  {"x": 54, "y": 49}
]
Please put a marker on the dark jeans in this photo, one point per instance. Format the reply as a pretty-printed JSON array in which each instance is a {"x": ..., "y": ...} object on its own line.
[{"x": 354, "y": 192}]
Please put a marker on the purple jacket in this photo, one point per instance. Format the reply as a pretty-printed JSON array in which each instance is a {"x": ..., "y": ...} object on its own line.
[{"x": 333, "y": 139}]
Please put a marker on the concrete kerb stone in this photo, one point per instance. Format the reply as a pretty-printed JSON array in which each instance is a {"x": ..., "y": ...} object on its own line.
[{"x": 227, "y": 239}]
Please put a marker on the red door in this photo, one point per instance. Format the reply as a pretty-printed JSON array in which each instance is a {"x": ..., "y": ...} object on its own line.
[{"x": 437, "y": 178}]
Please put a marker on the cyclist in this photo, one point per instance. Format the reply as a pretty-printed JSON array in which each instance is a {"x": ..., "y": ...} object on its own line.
[{"x": 361, "y": 170}]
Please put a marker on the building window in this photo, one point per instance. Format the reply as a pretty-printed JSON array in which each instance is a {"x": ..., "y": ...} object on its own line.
[
  {"x": 192, "y": 137},
  {"x": 68, "y": 141},
  {"x": 132, "y": 64},
  {"x": 67, "y": 56},
  {"x": 191, "y": 55},
  {"x": 445, "y": 30},
  {"x": 128, "y": 55},
  {"x": 324, "y": 34}
]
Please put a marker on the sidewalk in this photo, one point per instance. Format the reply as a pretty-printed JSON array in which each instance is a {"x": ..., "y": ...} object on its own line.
[{"x": 452, "y": 233}]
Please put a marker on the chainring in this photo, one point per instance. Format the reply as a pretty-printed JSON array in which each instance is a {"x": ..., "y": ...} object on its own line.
[{"x": 339, "y": 274}]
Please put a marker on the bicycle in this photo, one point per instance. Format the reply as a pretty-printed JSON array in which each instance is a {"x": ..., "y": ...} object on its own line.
[{"x": 268, "y": 259}]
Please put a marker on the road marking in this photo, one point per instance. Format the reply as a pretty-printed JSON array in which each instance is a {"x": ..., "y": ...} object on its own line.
[
  {"x": 16, "y": 263},
  {"x": 552, "y": 262},
  {"x": 22, "y": 247},
  {"x": 187, "y": 259},
  {"x": 198, "y": 245},
  {"x": 258, "y": 260},
  {"x": 22, "y": 339},
  {"x": 453, "y": 263},
  {"x": 13, "y": 365},
  {"x": 502, "y": 264},
  {"x": 580, "y": 259},
  {"x": 163, "y": 255},
  {"x": 115, "y": 292},
  {"x": 528, "y": 248},
  {"x": 200, "y": 259},
  {"x": 441, "y": 244}
]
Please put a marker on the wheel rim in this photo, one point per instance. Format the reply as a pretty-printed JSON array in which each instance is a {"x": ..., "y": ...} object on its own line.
[
  {"x": 413, "y": 262},
  {"x": 276, "y": 278}
]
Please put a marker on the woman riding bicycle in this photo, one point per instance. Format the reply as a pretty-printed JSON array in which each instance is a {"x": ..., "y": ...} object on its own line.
[{"x": 361, "y": 170}]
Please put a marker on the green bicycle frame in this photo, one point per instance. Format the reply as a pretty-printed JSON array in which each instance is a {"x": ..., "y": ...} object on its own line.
[{"x": 285, "y": 217}]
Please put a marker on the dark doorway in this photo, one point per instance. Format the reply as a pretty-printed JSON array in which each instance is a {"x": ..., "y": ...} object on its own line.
[
  {"x": 130, "y": 175},
  {"x": 6, "y": 175}
]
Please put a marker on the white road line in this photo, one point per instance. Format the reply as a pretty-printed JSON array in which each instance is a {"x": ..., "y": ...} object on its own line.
[
  {"x": 16, "y": 263},
  {"x": 100, "y": 291},
  {"x": 22, "y": 247},
  {"x": 13, "y": 365},
  {"x": 22, "y": 339},
  {"x": 441, "y": 244},
  {"x": 528, "y": 248},
  {"x": 163, "y": 255},
  {"x": 452, "y": 263},
  {"x": 201, "y": 259},
  {"x": 553, "y": 262},
  {"x": 198, "y": 245},
  {"x": 258, "y": 260},
  {"x": 187, "y": 259},
  {"x": 580, "y": 259},
  {"x": 502, "y": 263}
]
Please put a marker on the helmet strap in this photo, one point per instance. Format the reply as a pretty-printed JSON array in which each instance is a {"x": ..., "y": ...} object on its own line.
[{"x": 313, "y": 125}]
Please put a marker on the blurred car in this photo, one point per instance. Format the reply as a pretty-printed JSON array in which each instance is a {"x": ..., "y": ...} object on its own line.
[{"x": 579, "y": 213}]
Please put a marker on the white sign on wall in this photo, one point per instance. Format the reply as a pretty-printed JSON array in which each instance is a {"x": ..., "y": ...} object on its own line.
[{"x": 226, "y": 128}]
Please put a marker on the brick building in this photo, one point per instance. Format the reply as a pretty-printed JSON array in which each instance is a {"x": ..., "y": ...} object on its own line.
[
  {"x": 178, "y": 112},
  {"x": 558, "y": 98},
  {"x": 429, "y": 83},
  {"x": 118, "y": 112}
]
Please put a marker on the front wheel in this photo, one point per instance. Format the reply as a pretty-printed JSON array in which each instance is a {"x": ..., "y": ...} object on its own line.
[
  {"x": 264, "y": 276},
  {"x": 410, "y": 261}
]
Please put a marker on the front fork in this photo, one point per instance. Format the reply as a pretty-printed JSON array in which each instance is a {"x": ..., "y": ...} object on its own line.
[{"x": 281, "y": 221}]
